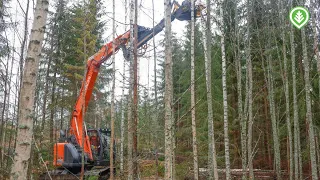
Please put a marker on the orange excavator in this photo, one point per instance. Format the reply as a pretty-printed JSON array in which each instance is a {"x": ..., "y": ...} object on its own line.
[{"x": 95, "y": 143}]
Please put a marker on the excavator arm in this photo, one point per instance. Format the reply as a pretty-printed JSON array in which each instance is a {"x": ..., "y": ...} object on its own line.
[{"x": 78, "y": 130}]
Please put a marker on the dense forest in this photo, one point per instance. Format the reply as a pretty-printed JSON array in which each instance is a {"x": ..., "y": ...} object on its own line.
[{"x": 233, "y": 94}]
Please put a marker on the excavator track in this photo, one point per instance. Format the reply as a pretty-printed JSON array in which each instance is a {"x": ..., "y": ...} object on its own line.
[{"x": 102, "y": 173}]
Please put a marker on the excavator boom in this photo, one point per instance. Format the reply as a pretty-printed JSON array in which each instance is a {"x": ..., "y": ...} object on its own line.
[
  {"x": 92, "y": 142},
  {"x": 93, "y": 65}
]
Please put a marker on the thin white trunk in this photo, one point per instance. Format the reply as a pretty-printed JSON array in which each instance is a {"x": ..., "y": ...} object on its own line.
[
  {"x": 112, "y": 92},
  {"x": 122, "y": 128},
  {"x": 225, "y": 95},
  {"x": 155, "y": 114},
  {"x": 276, "y": 145},
  {"x": 26, "y": 114},
  {"x": 168, "y": 93},
  {"x": 130, "y": 118},
  {"x": 313, "y": 158},
  {"x": 212, "y": 159},
  {"x": 193, "y": 108},
  {"x": 296, "y": 130},
  {"x": 287, "y": 95},
  {"x": 249, "y": 94}
]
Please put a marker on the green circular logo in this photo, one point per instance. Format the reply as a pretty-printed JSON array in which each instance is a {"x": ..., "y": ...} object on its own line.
[{"x": 299, "y": 16}]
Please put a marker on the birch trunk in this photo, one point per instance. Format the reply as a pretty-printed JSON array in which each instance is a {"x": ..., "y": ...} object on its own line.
[
  {"x": 225, "y": 95},
  {"x": 242, "y": 120},
  {"x": 112, "y": 93},
  {"x": 276, "y": 145},
  {"x": 296, "y": 129},
  {"x": 155, "y": 115},
  {"x": 309, "y": 110},
  {"x": 286, "y": 92},
  {"x": 315, "y": 42},
  {"x": 130, "y": 122},
  {"x": 212, "y": 161},
  {"x": 193, "y": 108},
  {"x": 122, "y": 105},
  {"x": 135, "y": 93},
  {"x": 26, "y": 114},
  {"x": 249, "y": 94},
  {"x": 168, "y": 92}
]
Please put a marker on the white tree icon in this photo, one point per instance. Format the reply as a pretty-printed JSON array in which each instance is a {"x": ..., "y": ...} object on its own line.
[{"x": 299, "y": 17}]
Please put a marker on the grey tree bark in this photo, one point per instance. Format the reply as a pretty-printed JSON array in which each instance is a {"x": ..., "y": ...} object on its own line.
[
  {"x": 241, "y": 116},
  {"x": 225, "y": 94},
  {"x": 249, "y": 93},
  {"x": 313, "y": 157},
  {"x": 112, "y": 92},
  {"x": 26, "y": 114},
  {"x": 155, "y": 114},
  {"x": 193, "y": 108},
  {"x": 276, "y": 145},
  {"x": 130, "y": 119},
  {"x": 286, "y": 92},
  {"x": 207, "y": 37},
  {"x": 296, "y": 129},
  {"x": 168, "y": 93},
  {"x": 122, "y": 128}
]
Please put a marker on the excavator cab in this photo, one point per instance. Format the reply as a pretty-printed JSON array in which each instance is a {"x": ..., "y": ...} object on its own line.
[{"x": 100, "y": 146}]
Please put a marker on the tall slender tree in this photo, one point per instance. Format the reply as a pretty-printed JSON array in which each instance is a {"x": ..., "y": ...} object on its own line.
[
  {"x": 112, "y": 92},
  {"x": 168, "y": 92},
  {"x": 225, "y": 94},
  {"x": 270, "y": 85},
  {"x": 193, "y": 108},
  {"x": 26, "y": 114},
  {"x": 249, "y": 91},
  {"x": 130, "y": 119},
  {"x": 286, "y": 92},
  {"x": 312, "y": 144},
  {"x": 122, "y": 128},
  {"x": 212, "y": 161}
]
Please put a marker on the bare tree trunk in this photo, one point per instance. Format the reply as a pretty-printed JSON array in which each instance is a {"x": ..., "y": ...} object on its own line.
[
  {"x": 317, "y": 55},
  {"x": 130, "y": 119},
  {"x": 4, "y": 108},
  {"x": 315, "y": 42},
  {"x": 242, "y": 120},
  {"x": 168, "y": 93},
  {"x": 155, "y": 115},
  {"x": 287, "y": 96},
  {"x": 26, "y": 114},
  {"x": 122, "y": 106},
  {"x": 193, "y": 108},
  {"x": 309, "y": 110},
  {"x": 249, "y": 93},
  {"x": 24, "y": 41},
  {"x": 52, "y": 110},
  {"x": 112, "y": 92},
  {"x": 135, "y": 93},
  {"x": 212, "y": 159},
  {"x": 272, "y": 108},
  {"x": 7, "y": 112},
  {"x": 46, "y": 88},
  {"x": 225, "y": 95},
  {"x": 296, "y": 128}
]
